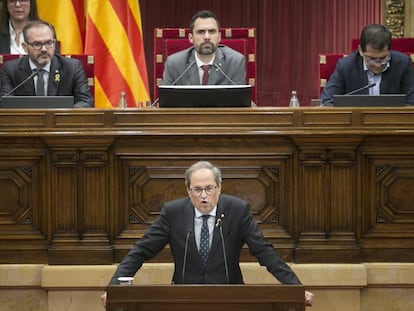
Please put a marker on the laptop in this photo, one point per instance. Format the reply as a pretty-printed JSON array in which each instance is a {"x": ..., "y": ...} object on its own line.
[
  {"x": 383, "y": 100},
  {"x": 40, "y": 102},
  {"x": 206, "y": 96}
]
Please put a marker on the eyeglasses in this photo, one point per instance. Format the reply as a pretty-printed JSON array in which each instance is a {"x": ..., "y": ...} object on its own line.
[
  {"x": 377, "y": 61},
  {"x": 38, "y": 45},
  {"x": 208, "y": 190},
  {"x": 14, "y": 2}
]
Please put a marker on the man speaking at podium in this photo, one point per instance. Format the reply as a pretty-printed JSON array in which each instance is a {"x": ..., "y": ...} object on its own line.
[
  {"x": 206, "y": 232},
  {"x": 43, "y": 73},
  {"x": 206, "y": 62}
]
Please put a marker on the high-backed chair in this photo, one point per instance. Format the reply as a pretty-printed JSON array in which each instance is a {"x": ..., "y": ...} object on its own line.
[
  {"x": 326, "y": 66},
  {"x": 6, "y": 57},
  {"x": 86, "y": 60},
  {"x": 170, "y": 40}
]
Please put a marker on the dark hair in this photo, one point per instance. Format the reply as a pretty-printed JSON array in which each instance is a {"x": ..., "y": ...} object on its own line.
[
  {"x": 37, "y": 23},
  {"x": 203, "y": 14},
  {"x": 377, "y": 36},
  {"x": 200, "y": 165},
  {"x": 5, "y": 15}
]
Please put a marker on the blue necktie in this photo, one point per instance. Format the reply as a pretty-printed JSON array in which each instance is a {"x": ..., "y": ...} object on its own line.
[{"x": 204, "y": 240}]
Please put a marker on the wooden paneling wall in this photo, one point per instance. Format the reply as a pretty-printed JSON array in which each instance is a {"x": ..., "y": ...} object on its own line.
[{"x": 325, "y": 185}]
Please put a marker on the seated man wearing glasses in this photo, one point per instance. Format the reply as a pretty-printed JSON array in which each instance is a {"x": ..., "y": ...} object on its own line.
[
  {"x": 41, "y": 72},
  {"x": 374, "y": 68},
  {"x": 206, "y": 232}
]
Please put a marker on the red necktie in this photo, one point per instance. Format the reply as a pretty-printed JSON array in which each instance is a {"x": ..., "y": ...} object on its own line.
[{"x": 206, "y": 69}]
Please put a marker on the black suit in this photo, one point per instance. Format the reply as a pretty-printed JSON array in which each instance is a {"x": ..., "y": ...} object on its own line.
[
  {"x": 176, "y": 222},
  {"x": 66, "y": 77},
  {"x": 349, "y": 75}
]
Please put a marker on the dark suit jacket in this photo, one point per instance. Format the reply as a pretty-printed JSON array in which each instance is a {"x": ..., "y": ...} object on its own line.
[
  {"x": 230, "y": 61},
  {"x": 66, "y": 77},
  {"x": 349, "y": 75},
  {"x": 176, "y": 224}
]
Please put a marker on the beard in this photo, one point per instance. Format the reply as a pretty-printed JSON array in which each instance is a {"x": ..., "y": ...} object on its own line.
[
  {"x": 42, "y": 59},
  {"x": 207, "y": 48}
]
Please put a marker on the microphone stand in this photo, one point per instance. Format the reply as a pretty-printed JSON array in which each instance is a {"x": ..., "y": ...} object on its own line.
[
  {"x": 34, "y": 73},
  {"x": 368, "y": 86},
  {"x": 185, "y": 255},
  {"x": 223, "y": 73},
  {"x": 183, "y": 73}
]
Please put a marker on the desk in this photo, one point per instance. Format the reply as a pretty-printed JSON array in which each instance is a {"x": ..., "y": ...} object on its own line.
[{"x": 79, "y": 186}]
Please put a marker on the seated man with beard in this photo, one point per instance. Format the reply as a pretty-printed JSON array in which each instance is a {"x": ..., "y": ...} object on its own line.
[
  {"x": 206, "y": 62},
  {"x": 42, "y": 72}
]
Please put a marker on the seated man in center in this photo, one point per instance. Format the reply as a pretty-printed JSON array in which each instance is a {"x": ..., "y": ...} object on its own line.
[{"x": 206, "y": 62}]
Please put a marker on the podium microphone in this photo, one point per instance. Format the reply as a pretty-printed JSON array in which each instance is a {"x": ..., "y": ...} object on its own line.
[
  {"x": 183, "y": 73},
  {"x": 34, "y": 73},
  {"x": 223, "y": 245},
  {"x": 185, "y": 254},
  {"x": 155, "y": 103},
  {"x": 223, "y": 73},
  {"x": 368, "y": 86}
]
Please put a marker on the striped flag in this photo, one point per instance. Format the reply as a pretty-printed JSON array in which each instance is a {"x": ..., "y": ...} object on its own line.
[
  {"x": 114, "y": 36},
  {"x": 68, "y": 17}
]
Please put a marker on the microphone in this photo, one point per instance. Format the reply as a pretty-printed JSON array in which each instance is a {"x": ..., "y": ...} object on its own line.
[
  {"x": 185, "y": 254},
  {"x": 219, "y": 220},
  {"x": 183, "y": 73},
  {"x": 368, "y": 86},
  {"x": 223, "y": 73},
  {"x": 34, "y": 73},
  {"x": 155, "y": 103},
  {"x": 223, "y": 245}
]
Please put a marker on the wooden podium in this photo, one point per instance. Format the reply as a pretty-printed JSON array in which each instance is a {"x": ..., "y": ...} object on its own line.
[{"x": 206, "y": 297}]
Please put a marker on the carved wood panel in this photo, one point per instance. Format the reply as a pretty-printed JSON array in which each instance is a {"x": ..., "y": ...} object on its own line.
[
  {"x": 325, "y": 185},
  {"x": 389, "y": 193},
  {"x": 22, "y": 202}
]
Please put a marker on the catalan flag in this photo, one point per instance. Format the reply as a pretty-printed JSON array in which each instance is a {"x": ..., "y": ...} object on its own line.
[
  {"x": 114, "y": 36},
  {"x": 68, "y": 17}
]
